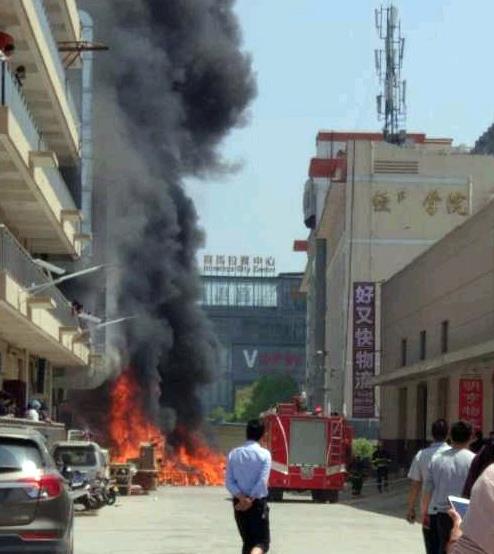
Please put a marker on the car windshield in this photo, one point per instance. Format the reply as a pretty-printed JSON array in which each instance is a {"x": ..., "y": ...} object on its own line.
[
  {"x": 18, "y": 454},
  {"x": 76, "y": 456}
]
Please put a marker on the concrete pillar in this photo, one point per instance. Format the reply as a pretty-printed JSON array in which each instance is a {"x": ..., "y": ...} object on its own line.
[
  {"x": 488, "y": 400},
  {"x": 389, "y": 401},
  {"x": 432, "y": 403},
  {"x": 49, "y": 379},
  {"x": 411, "y": 412},
  {"x": 454, "y": 398},
  {"x": 26, "y": 377}
]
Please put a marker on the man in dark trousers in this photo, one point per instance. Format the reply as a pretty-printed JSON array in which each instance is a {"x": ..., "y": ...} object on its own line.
[
  {"x": 447, "y": 476},
  {"x": 247, "y": 474},
  {"x": 381, "y": 461}
]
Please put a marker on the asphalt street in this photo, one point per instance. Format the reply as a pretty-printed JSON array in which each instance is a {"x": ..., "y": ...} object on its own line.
[{"x": 199, "y": 520}]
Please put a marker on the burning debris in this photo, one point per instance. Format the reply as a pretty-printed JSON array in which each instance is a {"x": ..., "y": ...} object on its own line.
[
  {"x": 135, "y": 439},
  {"x": 173, "y": 86}
]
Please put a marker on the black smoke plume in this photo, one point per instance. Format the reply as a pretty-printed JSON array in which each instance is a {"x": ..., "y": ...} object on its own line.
[
  {"x": 485, "y": 143},
  {"x": 173, "y": 84}
]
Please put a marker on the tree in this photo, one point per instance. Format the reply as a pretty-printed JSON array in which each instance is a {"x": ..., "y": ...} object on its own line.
[{"x": 268, "y": 391}]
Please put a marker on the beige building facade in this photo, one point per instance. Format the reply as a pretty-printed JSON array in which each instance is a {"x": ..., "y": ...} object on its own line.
[
  {"x": 378, "y": 206},
  {"x": 40, "y": 215},
  {"x": 438, "y": 342}
]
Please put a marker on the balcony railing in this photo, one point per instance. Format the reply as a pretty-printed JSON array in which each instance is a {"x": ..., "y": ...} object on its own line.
[
  {"x": 12, "y": 97},
  {"x": 52, "y": 45},
  {"x": 16, "y": 262}
]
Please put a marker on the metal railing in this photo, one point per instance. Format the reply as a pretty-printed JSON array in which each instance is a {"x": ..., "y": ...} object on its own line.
[
  {"x": 11, "y": 96},
  {"x": 52, "y": 45},
  {"x": 19, "y": 265}
]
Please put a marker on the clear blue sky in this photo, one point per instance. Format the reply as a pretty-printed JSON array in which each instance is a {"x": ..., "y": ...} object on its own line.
[{"x": 314, "y": 61}]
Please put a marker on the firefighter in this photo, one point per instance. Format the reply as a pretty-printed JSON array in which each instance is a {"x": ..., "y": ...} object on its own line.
[
  {"x": 357, "y": 471},
  {"x": 381, "y": 461}
]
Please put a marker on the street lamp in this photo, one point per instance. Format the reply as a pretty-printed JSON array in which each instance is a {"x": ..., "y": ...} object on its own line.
[{"x": 35, "y": 288}]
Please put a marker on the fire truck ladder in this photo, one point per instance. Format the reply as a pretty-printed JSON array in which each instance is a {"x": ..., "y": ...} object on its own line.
[{"x": 335, "y": 454}]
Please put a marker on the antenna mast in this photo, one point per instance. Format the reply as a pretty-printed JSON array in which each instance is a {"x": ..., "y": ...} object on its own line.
[{"x": 391, "y": 101}]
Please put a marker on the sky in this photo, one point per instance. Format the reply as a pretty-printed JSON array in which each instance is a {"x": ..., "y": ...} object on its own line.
[{"x": 314, "y": 62}]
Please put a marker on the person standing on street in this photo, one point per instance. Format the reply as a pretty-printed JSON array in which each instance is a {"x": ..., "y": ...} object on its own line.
[
  {"x": 247, "y": 474},
  {"x": 448, "y": 473},
  {"x": 419, "y": 471},
  {"x": 381, "y": 461}
]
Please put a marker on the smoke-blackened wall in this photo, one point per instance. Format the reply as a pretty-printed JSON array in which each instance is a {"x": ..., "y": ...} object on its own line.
[{"x": 173, "y": 84}]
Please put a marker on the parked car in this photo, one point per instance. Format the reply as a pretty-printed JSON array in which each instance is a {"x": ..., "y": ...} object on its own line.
[
  {"x": 36, "y": 512},
  {"x": 85, "y": 457}
]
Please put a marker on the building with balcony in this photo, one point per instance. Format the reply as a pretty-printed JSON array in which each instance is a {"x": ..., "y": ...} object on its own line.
[
  {"x": 260, "y": 325},
  {"x": 438, "y": 347},
  {"x": 371, "y": 208},
  {"x": 41, "y": 337}
]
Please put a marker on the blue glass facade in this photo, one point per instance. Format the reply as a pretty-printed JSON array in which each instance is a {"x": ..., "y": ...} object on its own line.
[{"x": 260, "y": 323}]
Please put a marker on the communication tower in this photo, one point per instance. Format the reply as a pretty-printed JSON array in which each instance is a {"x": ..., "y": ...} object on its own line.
[{"x": 391, "y": 101}]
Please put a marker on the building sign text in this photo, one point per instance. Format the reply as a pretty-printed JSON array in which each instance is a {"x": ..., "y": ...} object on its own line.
[{"x": 364, "y": 347}]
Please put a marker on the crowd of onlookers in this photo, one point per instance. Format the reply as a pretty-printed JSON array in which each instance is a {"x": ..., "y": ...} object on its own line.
[
  {"x": 454, "y": 465},
  {"x": 36, "y": 410}
]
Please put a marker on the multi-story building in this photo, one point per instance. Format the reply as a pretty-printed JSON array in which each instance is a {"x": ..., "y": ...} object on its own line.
[
  {"x": 260, "y": 325},
  {"x": 40, "y": 198},
  {"x": 437, "y": 321},
  {"x": 372, "y": 207}
]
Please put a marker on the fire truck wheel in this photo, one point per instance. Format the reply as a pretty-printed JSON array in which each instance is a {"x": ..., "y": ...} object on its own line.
[
  {"x": 332, "y": 496},
  {"x": 324, "y": 496},
  {"x": 275, "y": 495},
  {"x": 318, "y": 496}
]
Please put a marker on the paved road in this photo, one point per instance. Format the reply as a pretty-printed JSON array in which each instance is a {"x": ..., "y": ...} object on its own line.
[{"x": 199, "y": 520}]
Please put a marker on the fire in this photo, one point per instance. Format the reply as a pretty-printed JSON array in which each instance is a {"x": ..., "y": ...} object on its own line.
[{"x": 130, "y": 428}]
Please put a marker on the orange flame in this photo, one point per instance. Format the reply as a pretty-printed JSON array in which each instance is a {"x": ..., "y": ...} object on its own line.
[{"x": 130, "y": 428}]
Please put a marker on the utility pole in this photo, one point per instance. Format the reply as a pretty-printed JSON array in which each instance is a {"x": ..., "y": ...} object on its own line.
[{"x": 391, "y": 101}]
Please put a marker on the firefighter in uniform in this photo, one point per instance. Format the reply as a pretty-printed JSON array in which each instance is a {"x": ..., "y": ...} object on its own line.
[{"x": 381, "y": 461}]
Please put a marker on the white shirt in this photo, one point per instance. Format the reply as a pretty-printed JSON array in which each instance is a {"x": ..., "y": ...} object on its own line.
[
  {"x": 419, "y": 470},
  {"x": 447, "y": 475},
  {"x": 248, "y": 469},
  {"x": 32, "y": 414}
]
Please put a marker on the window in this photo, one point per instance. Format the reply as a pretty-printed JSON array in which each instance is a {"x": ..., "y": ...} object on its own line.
[
  {"x": 423, "y": 344},
  {"x": 403, "y": 352},
  {"x": 444, "y": 336}
]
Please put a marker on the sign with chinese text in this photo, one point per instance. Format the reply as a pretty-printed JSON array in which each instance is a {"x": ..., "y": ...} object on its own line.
[
  {"x": 238, "y": 265},
  {"x": 471, "y": 402},
  {"x": 364, "y": 349}
]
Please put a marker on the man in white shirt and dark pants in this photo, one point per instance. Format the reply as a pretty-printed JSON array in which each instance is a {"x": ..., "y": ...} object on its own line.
[
  {"x": 247, "y": 475},
  {"x": 447, "y": 475},
  {"x": 419, "y": 471}
]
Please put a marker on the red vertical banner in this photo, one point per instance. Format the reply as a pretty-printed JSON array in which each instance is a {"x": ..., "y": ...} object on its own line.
[
  {"x": 364, "y": 349},
  {"x": 471, "y": 403}
]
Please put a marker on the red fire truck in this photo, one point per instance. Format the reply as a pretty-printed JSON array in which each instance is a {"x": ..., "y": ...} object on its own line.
[{"x": 310, "y": 451}]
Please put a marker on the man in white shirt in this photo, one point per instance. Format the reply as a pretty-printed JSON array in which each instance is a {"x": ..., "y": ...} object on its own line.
[
  {"x": 448, "y": 473},
  {"x": 247, "y": 475},
  {"x": 419, "y": 471}
]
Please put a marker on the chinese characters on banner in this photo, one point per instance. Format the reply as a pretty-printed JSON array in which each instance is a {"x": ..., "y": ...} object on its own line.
[
  {"x": 238, "y": 265},
  {"x": 471, "y": 402},
  {"x": 364, "y": 347}
]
